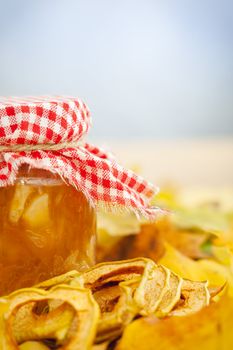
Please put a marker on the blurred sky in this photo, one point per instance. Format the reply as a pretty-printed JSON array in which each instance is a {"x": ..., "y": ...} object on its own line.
[{"x": 146, "y": 68}]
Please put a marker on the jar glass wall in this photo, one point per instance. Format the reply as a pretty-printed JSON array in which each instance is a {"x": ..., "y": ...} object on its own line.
[{"x": 46, "y": 228}]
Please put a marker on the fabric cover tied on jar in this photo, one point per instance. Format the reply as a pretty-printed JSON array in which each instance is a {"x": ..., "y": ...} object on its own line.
[{"x": 48, "y": 133}]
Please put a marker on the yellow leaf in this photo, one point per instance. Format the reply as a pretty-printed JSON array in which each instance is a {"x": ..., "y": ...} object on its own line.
[
  {"x": 216, "y": 273},
  {"x": 202, "y": 270},
  {"x": 181, "y": 264},
  {"x": 209, "y": 329}
]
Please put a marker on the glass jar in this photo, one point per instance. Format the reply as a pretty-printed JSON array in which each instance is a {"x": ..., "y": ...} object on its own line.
[{"x": 46, "y": 228}]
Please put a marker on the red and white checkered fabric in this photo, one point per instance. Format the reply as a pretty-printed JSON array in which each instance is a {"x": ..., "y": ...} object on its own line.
[{"x": 53, "y": 120}]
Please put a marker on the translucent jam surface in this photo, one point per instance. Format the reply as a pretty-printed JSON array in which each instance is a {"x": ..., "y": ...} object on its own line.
[{"x": 46, "y": 228}]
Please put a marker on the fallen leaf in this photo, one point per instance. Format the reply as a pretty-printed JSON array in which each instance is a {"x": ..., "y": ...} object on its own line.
[{"x": 209, "y": 329}]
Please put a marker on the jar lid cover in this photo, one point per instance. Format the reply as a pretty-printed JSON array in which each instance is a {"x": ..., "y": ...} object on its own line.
[{"x": 47, "y": 132}]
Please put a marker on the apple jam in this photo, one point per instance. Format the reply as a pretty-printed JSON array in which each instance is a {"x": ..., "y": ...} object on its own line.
[{"x": 46, "y": 228}]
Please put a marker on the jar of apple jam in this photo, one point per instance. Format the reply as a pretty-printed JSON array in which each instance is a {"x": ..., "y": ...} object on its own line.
[{"x": 47, "y": 228}]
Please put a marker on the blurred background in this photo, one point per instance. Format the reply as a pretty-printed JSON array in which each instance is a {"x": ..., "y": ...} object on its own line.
[{"x": 158, "y": 70}]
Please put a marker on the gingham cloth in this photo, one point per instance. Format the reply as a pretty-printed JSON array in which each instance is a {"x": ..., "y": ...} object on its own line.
[{"x": 59, "y": 120}]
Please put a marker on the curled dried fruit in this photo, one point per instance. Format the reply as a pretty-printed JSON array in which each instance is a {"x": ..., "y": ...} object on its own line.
[
  {"x": 65, "y": 315},
  {"x": 171, "y": 295},
  {"x": 152, "y": 287},
  {"x": 107, "y": 282},
  {"x": 102, "y": 274},
  {"x": 194, "y": 297},
  {"x": 117, "y": 310},
  {"x": 64, "y": 311},
  {"x": 71, "y": 277}
]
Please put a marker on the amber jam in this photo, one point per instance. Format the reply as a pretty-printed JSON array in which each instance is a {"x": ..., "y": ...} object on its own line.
[{"x": 46, "y": 228}]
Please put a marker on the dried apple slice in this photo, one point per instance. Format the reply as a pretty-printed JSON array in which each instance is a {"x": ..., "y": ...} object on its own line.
[
  {"x": 66, "y": 278},
  {"x": 194, "y": 297},
  {"x": 20, "y": 197},
  {"x": 108, "y": 283},
  {"x": 216, "y": 291},
  {"x": 117, "y": 309},
  {"x": 52, "y": 324},
  {"x": 72, "y": 324},
  {"x": 171, "y": 296},
  {"x": 153, "y": 286},
  {"x": 118, "y": 271}
]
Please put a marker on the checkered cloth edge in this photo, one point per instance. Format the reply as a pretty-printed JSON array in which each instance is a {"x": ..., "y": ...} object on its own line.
[{"x": 53, "y": 120}]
